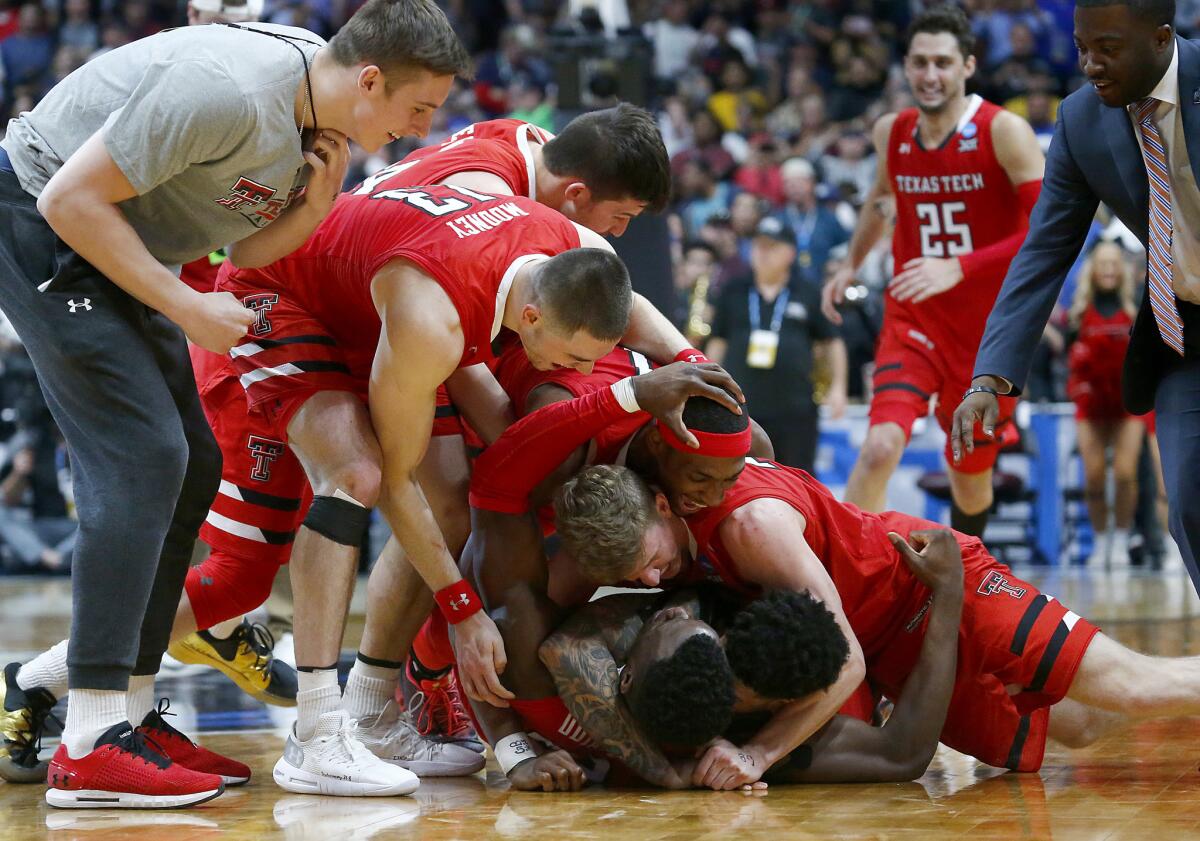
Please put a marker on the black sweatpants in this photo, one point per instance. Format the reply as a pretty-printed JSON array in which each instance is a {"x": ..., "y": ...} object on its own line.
[{"x": 119, "y": 383}]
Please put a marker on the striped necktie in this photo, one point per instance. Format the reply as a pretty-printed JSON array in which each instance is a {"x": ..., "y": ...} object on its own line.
[{"x": 1158, "y": 258}]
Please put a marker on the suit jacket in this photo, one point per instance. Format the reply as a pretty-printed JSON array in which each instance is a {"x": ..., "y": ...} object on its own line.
[{"x": 1094, "y": 157}]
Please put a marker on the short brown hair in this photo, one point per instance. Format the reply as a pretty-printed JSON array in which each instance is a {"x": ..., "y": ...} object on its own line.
[
  {"x": 586, "y": 289},
  {"x": 944, "y": 18},
  {"x": 602, "y": 513},
  {"x": 399, "y": 36},
  {"x": 617, "y": 152}
]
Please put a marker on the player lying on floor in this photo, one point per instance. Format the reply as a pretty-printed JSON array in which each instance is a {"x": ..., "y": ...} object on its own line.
[
  {"x": 637, "y": 677},
  {"x": 1029, "y": 666}
]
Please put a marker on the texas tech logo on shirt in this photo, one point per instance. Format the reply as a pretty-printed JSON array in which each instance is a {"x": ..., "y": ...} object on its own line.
[
  {"x": 262, "y": 304},
  {"x": 995, "y": 582},
  {"x": 246, "y": 192}
]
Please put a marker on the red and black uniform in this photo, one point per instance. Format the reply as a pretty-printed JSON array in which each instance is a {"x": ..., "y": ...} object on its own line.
[
  {"x": 1096, "y": 358},
  {"x": 500, "y": 147},
  {"x": 952, "y": 201},
  {"x": 1011, "y": 634},
  {"x": 317, "y": 330}
]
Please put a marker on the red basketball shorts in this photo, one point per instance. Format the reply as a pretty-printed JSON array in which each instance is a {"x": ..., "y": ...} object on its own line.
[
  {"x": 910, "y": 369},
  {"x": 1011, "y": 635}
]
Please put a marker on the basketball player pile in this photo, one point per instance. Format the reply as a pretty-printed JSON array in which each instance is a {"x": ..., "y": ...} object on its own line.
[{"x": 464, "y": 301}]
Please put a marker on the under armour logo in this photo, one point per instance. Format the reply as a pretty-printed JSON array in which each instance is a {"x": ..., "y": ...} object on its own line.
[
  {"x": 462, "y": 601},
  {"x": 905, "y": 148},
  {"x": 60, "y": 780},
  {"x": 85, "y": 304},
  {"x": 997, "y": 583}
]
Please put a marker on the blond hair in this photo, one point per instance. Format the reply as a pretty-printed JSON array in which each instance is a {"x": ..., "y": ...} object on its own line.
[
  {"x": 1085, "y": 290},
  {"x": 602, "y": 513}
]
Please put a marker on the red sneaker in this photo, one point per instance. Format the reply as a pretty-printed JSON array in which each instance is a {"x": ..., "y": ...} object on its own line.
[
  {"x": 121, "y": 772},
  {"x": 437, "y": 709},
  {"x": 179, "y": 748}
]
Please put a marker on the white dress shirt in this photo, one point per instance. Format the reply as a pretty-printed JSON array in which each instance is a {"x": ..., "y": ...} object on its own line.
[{"x": 1185, "y": 195}]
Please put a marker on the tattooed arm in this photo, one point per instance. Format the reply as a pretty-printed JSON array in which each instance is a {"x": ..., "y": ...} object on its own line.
[{"x": 580, "y": 657}]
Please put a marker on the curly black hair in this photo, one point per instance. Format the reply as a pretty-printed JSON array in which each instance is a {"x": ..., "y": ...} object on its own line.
[
  {"x": 687, "y": 699},
  {"x": 706, "y": 415},
  {"x": 786, "y": 645}
]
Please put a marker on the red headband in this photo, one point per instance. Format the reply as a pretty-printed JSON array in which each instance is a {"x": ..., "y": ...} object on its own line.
[{"x": 712, "y": 444}]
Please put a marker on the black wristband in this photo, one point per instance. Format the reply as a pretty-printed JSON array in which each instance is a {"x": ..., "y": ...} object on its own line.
[{"x": 976, "y": 389}]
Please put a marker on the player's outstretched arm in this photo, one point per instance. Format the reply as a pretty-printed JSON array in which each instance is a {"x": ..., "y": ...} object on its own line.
[
  {"x": 852, "y": 751},
  {"x": 580, "y": 658},
  {"x": 419, "y": 347},
  {"x": 765, "y": 539},
  {"x": 876, "y": 211}
]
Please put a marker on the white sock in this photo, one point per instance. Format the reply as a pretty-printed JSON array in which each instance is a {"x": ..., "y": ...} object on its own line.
[
  {"x": 90, "y": 713},
  {"x": 223, "y": 630},
  {"x": 139, "y": 700},
  {"x": 317, "y": 693},
  {"x": 46, "y": 671},
  {"x": 368, "y": 689}
]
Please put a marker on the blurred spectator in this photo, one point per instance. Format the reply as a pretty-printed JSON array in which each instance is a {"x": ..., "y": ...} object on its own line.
[
  {"x": 112, "y": 35},
  {"x": 816, "y": 131},
  {"x": 994, "y": 28},
  {"x": 850, "y": 164},
  {"x": 768, "y": 330},
  {"x": 676, "y": 126},
  {"x": 499, "y": 69},
  {"x": 694, "y": 277},
  {"x": 28, "y": 54},
  {"x": 67, "y": 60},
  {"x": 736, "y": 105},
  {"x": 815, "y": 228},
  {"x": 786, "y": 120},
  {"x": 702, "y": 195},
  {"x": 860, "y": 58},
  {"x": 674, "y": 39},
  {"x": 745, "y": 212},
  {"x": 529, "y": 103},
  {"x": 139, "y": 21},
  {"x": 760, "y": 174},
  {"x": 706, "y": 137},
  {"x": 77, "y": 29},
  {"x": 722, "y": 41},
  {"x": 34, "y": 525},
  {"x": 718, "y": 232}
]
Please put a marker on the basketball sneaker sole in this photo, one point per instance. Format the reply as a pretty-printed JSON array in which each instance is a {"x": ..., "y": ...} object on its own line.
[
  {"x": 96, "y": 799},
  {"x": 290, "y": 778}
]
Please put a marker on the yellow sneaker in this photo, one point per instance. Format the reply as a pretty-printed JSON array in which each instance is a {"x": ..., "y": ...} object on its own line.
[
  {"x": 23, "y": 715},
  {"x": 246, "y": 659}
]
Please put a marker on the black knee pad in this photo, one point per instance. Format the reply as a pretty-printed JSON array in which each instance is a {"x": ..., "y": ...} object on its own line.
[{"x": 338, "y": 519}]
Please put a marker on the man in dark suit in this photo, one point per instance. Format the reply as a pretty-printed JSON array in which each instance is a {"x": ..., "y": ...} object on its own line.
[{"x": 1130, "y": 139}]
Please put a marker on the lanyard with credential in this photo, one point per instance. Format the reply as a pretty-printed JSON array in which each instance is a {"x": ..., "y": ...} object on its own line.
[{"x": 781, "y": 303}]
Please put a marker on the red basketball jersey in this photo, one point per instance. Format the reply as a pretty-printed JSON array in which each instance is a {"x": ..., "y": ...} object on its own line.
[
  {"x": 879, "y": 594},
  {"x": 470, "y": 243},
  {"x": 501, "y": 147},
  {"x": 951, "y": 201}
]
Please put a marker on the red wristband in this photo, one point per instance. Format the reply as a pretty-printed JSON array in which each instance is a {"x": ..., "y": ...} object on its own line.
[
  {"x": 459, "y": 601},
  {"x": 691, "y": 355}
]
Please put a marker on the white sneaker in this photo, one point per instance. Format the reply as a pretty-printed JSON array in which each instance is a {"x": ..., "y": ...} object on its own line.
[
  {"x": 1099, "y": 557},
  {"x": 1118, "y": 548},
  {"x": 334, "y": 762},
  {"x": 392, "y": 737}
]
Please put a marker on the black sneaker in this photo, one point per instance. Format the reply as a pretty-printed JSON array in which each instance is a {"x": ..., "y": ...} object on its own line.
[{"x": 22, "y": 720}]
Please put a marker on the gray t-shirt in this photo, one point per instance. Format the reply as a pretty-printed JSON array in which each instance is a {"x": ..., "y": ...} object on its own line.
[{"x": 201, "y": 120}]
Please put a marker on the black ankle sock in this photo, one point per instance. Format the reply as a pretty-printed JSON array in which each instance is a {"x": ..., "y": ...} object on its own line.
[
  {"x": 972, "y": 524},
  {"x": 317, "y": 668},
  {"x": 422, "y": 672},
  {"x": 381, "y": 664},
  {"x": 227, "y": 647}
]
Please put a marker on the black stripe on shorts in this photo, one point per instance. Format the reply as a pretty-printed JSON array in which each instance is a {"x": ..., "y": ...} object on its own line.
[
  {"x": 1026, "y": 624},
  {"x": 278, "y": 538},
  {"x": 321, "y": 365},
  {"x": 265, "y": 500},
  {"x": 902, "y": 387},
  {"x": 445, "y": 412},
  {"x": 315, "y": 339},
  {"x": 1018, "y": 745},
  {"x": 894, "y": 366},
  {"x": 1046, "y": 665}
]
